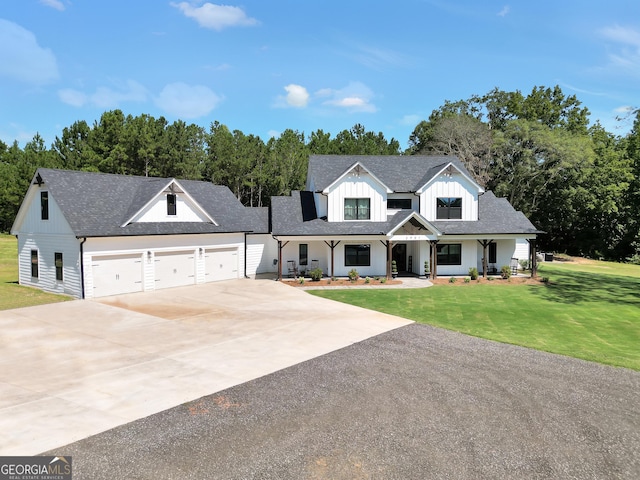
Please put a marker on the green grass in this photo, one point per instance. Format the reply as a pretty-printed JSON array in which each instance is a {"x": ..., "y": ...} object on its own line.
[
  {"x": 13, "y": 295},
  {"x": 588, "y": 311}
]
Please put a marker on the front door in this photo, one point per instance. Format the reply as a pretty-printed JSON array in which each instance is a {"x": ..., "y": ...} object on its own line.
[{"x": 399, "y": 254}]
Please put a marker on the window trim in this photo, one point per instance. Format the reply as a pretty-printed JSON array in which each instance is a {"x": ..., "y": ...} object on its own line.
[
  {"x": 44, "y": 205},
  {"x": 35, "y": 269},
  {"x": 450, "y": 261},
  {"x": 172, "y": 208},
  {"x": 59, "y": 265},
  {"x": 357, "y": 209},
  {"x": 357, "y": 255},
  {"x": 445, "y": 211}
]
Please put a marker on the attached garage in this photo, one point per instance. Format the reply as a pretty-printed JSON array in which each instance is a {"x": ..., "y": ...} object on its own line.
[
  {"x": 175, "y": 269},
  {"x": 116, "y": 274},
  {"x": 221, "y": 264}
]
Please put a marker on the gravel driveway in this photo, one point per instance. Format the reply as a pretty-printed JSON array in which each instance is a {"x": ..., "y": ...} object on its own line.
[{"x": 414, "y": 403}]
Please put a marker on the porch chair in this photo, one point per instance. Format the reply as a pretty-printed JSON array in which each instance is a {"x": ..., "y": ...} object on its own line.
[
  {"x": 514, "y": 266},
  {"x": 292, "y": 268}
]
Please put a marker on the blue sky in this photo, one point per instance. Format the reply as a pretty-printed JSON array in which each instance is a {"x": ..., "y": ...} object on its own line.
[{"x": 265, "y": 66}]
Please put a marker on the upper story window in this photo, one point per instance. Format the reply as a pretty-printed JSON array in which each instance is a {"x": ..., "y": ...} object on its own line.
[
  {"x": 357, "y": 209},
  {"x": 449, "y": 208},
  {"x": 44, "y": 205},
  {"x": 171, "y": 204},
  {"x": 399, "y": 203}
]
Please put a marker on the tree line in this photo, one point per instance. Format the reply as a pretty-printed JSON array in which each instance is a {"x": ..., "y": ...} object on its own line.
[{"x": 576, "y": 181}]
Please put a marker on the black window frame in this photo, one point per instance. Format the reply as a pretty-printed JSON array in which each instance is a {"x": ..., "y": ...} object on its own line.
[
  {"x": 358, "y": 208},
  {"x": 362, "y": 259},
  {"x": 449, "y": 257},
  {"x": 303, "y": 254},
  {"x": 171, "y": 204},
  {"x": 446, "y": 208},
  {"x": 396, "y": 201},
  {"x": 35, "y": 271},
  {"x": 58, "y": 262},
  {"x": 44, "y": 205},
  {"x": 493, "y": 252}
]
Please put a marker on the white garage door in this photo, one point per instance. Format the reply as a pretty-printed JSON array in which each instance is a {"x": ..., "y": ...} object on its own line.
[
  {"x": 221, "y": 264},
  {"x": 174, "y": 269},
  {"x": 116, "y": 274}
]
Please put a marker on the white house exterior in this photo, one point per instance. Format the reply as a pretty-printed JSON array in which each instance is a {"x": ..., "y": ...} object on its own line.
[
  {"x": 91, "y": 235},
  {"x": 425, "y": 212}
]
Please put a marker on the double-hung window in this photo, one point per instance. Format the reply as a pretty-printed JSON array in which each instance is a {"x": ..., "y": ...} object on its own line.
[
  {"x": 449, "y": 208},
  {"x": 357, "y": 209},
  {"x": 357, "y": 255},
  {"x": 44, "y": 205},
  {"x": 450, "y": 254}
]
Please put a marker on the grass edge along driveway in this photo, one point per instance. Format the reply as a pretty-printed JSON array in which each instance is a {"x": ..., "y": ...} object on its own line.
[{"x": 588, "y": 310}]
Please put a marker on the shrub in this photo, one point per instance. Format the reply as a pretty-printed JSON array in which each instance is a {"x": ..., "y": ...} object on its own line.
[
  {"x": 452, "y": 280},
  {"x": 316, "y": 274},
  {"x": 635, "y": 259},
  {"x": 394, "y": 268},
  {"x": 301, "y": 280},
  {"x": 383, "y": 280},
  {"x": 473, "y": 273},
  {"x": 524, "y": 264},
  {"x": 353, "y": 275},
  {"x": 545, "y": 279},
  {"x": 367, "y": 280},
  {"x": 467, "y": 280},
  {"x": 505, "y": 271}
]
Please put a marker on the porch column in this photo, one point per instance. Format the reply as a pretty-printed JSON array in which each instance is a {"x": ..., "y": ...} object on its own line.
[
  {"x": 485, "y": 263},
  {"x": 389, "y": 257},
  {"x": 279, "y": 260},
  {"x": 333, "y": 245},
  {"x": 434, "y": 259},
  {"x": 534, "y": 258}
]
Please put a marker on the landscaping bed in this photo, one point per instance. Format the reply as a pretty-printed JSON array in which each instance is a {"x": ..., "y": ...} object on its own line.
[{"x": 342, "y": 282}]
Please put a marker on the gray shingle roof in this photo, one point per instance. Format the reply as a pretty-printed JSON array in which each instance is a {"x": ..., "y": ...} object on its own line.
[
  {"x": 97, "y": 204},
  {"x": 496, "y": 216},
  {"x": 398, "y": 172}
]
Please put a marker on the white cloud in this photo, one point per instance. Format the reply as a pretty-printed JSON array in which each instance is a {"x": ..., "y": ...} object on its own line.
[
  {"x": 21, "y": 57},
  {"x": 411, "y": 120},
  {"x": 105, "y": 97},
  {"x": 505, "y": 11},
  {"x": 217, "y": 17},
  {"x": 57, "y": 4},
  {"x": 628, "y": 56},
  {"x": 297, "y": 96},
  {"x": 355, "y": 97},
  {"x": 187, "y": 101}
]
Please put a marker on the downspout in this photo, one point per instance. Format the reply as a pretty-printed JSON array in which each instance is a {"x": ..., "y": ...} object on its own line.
[
  {"x": 84, "y": 239},
  {"x": 245, "y": 255}
]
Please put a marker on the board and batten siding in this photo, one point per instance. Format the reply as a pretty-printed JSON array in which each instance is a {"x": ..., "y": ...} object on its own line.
[
  {"x": 363, "y": 186},
  {"x": 454, "y": 186}
]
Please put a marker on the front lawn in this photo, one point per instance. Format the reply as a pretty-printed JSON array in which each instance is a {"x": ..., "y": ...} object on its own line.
[
  {"x": 589, "y": 310},
  {"x": 13, "y": 295}
]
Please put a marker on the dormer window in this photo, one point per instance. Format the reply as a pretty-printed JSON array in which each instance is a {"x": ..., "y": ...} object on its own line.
[
  {"x": 171, "y": 204},
  {"x": 399, "y": 204},
  {"x": 357, "y": 209},
  {"x": 449, "y": 208}
]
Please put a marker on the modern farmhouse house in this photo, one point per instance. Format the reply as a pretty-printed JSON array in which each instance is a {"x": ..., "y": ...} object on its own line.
[
  {"x": 93, "y": 234},
  {"x": 363, "y": 212}
]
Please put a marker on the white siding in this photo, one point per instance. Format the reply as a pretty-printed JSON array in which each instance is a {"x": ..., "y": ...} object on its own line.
[
  {"x": 363, "y": 186},
  {"x": 186, "y": 211},
  {"x": 32, "y": 221},
  {"x": 47, "y": 246},
  {"x": 522, "y": 251},
  {"x": 469, "y": 259},
  {"x": 321, "y": 204},
  {"x": 505, "y": 251},
  {"x": 262, "y": 250},
  {"x": 454, "y": 186}
]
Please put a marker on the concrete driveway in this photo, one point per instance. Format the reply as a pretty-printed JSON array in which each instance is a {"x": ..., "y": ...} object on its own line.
[{"x": 74, "y": 369}]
